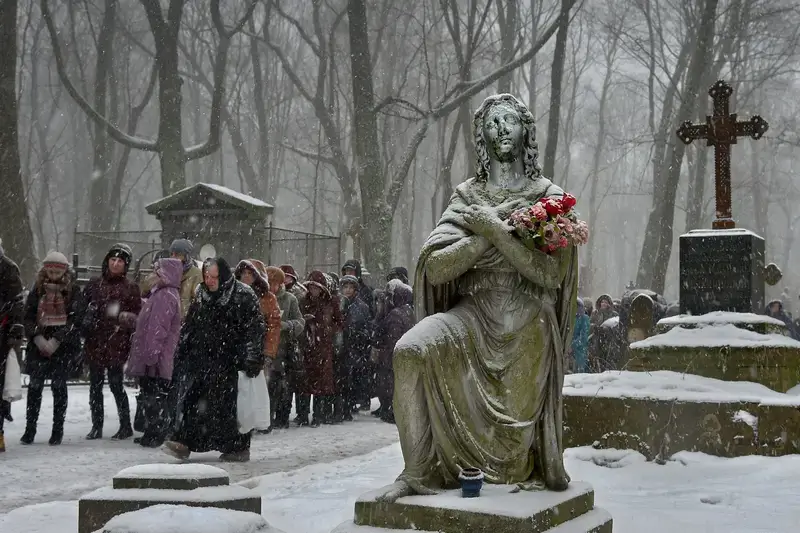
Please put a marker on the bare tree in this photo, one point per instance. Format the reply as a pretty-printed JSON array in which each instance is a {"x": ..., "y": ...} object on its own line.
[
  {"x": 165, "y": 30},
  {"x": 15, "y": 232}
]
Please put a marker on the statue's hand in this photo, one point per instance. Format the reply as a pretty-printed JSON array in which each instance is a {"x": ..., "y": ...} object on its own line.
[{"x": 484, "y": 221}]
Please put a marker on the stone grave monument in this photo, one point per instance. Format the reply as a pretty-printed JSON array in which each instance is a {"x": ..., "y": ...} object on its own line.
[
  {"x": 713, "y": 378},
  {"x": 143, "y": 486},
  {"x": 470, "y": 393},
  {"x": 218, "y": 220}
]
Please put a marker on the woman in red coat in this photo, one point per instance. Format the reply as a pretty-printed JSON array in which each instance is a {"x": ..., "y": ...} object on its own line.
[
  {"x": 323, "y": 321},
  {"x": 113, "y": 304}
]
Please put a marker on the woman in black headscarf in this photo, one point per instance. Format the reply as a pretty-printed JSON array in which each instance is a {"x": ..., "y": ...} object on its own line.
[{"x": 223, "y": 334}]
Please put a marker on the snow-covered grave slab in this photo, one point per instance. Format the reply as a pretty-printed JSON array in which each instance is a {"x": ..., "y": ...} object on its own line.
[
  {"x": 185, "y": 519},
  {"x": 673, "y": 386},
  {"x": 659, "y": 413},
  {"x": 145, "y": 486},
  {"x": 500, "y": 509},
  {"x": 719, "y": 317},
  {"x": 714, "y": 336},
  {"x": 712, "y": 347},
  {"x": 170, "y": 476}
]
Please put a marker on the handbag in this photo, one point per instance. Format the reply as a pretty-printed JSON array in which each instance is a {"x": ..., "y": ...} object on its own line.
[
  {"x": 252, "y": 403},
  {"x": 12, "y": 387}
]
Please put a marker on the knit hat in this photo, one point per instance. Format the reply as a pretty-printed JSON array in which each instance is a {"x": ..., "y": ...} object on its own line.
[
  {"x": 122, "y": 251},
  {"x": 275, "y": 275},
  {"x": 349, "y": 279},
  {"x": 352, "y": 264},
  {"x": 400, "y": 273},
  {"x": 56, "y": 259},
  {"x": 181, "y": 246}
]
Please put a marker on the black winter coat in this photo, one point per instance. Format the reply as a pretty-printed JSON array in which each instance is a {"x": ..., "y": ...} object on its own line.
[
  {"x": 357, "y": 333},
  {"x": 222, "y": 334},
  {"x": 65, "y": 362},
  {"x": 11, "y": 310}
]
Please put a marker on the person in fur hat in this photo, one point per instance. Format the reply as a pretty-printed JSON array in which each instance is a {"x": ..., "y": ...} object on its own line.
[
  {"x": 253, "y": 273},
  {"x": 112, "y": 304},
  {"x": 323, "y": 317}
]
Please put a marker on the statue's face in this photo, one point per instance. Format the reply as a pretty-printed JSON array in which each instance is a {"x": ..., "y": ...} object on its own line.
[{"x": 502, "y": 130}]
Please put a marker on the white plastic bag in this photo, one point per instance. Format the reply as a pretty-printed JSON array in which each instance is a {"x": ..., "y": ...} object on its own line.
[
  {"x": 252, "y": 403},
  {"x": 12, "y": 388}
]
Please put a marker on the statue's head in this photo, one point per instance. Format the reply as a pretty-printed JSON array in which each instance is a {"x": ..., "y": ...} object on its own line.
[{"x": 504, "y": 130}]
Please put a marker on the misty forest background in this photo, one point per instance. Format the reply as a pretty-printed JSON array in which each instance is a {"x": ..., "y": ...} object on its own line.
[{"x": 354, "y": 116}]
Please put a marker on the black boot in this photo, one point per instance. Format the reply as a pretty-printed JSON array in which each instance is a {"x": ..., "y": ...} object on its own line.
[
  {"x": 28, "y": 436},
  {"x": 95, "y": 433},
  {"x": 59, "y": 411},
  {"x": 96, "y": 377},
  {"x": 124, "y": 410}
]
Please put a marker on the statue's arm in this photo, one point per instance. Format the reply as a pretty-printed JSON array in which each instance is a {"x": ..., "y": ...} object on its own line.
[
  {"x": 537, "y": 267},
  {"x": 451, "y": 262}
]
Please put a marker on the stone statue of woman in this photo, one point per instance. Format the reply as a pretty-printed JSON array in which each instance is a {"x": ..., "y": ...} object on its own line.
[{"x": 478, "y": 380}]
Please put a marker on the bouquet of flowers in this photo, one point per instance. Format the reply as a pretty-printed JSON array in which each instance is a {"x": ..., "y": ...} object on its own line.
[{"x": 550, "y": 224}]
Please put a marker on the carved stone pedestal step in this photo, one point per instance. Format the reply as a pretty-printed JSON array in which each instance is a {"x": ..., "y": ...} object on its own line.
[
  {"x": 498, "y": 510},
  {"x": 145, "y": 486}
]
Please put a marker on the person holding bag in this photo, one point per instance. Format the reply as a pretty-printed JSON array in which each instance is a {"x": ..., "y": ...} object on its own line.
[
  {"x": 153, "y": 348},
  {"x": 12, "y": 331},
  {"x": 54, "y": 342}
]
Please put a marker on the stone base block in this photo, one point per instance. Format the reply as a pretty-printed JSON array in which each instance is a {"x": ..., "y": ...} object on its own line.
[
  {"x": 777, "y": 368},
  {"x": 97, "y": 508},
  {"x": 660, "y": 428},
  {"x": 497, "y": 510}
]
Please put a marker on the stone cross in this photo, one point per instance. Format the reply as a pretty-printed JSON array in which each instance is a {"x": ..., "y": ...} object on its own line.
[{"x": 721, "y": 130}]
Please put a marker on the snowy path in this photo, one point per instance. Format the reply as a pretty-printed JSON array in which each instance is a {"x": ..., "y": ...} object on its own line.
[{"x": 41, "y": 473}]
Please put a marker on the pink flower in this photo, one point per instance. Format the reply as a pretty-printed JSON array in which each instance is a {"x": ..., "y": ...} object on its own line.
[
  {"x": 539, "y": 212},
  {"x": 562, "y": 242}
]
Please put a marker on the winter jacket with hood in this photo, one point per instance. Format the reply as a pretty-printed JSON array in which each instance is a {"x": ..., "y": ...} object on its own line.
[
  {"x": 365, "y": 292},
  {"x": 784, "y": 317},
  {"x": 112, "y": 303},
  {"x": 601, "y": 315},
  {"x": 158, "y": 326},
  {"x": 267, "y": 302},
  {"x": 323, "y": 322},
  {"x": 580, "y": 339},
  {"x": 292, "y": 322},
  {"x": 292, "y": 283},
  {"x": 397, "y": 321},
  {"x": 12, "y": 308}
]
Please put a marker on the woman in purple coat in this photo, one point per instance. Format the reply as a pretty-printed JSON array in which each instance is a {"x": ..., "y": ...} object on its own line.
[{"x": 153, "y": 348}]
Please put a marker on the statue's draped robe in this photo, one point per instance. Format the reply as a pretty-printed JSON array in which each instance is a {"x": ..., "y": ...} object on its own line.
[{"x": 478, "y": 380}]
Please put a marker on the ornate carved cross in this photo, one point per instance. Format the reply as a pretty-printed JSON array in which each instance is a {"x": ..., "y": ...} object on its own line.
[{"x": 721, "y": 130}]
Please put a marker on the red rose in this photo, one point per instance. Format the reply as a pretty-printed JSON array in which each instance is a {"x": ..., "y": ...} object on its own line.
[
  {"x": 552, "y": 206},
  {"x": 568, "y": 202}
]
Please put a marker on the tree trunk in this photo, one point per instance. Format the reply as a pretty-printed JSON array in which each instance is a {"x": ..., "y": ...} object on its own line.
[
  {"x": 170, "y": 126},
  {"x": 508, "y": 15},
  {"x": 657, "y": 247},
  {"x": 557, "y": 78},
  {"x": 376, "y": 217},
  {"x": 15, "y": 231}
]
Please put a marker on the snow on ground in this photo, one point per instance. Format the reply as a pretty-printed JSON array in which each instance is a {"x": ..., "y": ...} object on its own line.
[
  {"x": 42, "y": 473},
  {"x": 668, "y": 385},
  {"x": 694, "y": 493}
]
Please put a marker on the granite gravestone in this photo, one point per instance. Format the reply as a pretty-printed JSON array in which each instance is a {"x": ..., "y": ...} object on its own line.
[{"x": 721, "y": 270}]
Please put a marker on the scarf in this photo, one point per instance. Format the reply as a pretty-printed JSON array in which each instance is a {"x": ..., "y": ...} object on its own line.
[{"x": 52, "y": 310}]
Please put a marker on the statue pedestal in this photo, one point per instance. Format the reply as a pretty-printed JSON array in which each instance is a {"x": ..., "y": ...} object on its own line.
[{"x": 497, "y": 510}]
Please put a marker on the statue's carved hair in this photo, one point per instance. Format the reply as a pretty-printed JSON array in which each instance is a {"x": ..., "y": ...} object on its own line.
[{"x": 530, "y": 148}]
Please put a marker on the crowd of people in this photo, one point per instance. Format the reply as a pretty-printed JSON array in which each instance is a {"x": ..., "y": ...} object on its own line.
[{"x": 184, "y": 334}]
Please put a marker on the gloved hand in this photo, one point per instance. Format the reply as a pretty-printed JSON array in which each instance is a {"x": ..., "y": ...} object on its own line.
[
  {"x": 252, "y": 369},
  {"x": 127, "y": 319}
]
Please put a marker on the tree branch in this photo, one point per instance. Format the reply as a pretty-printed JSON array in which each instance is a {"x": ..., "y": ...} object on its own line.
[
  {"x": 115, "y": 133},
  {"x": 310, "y": 155},
  {"x": 212, "y": 144}
]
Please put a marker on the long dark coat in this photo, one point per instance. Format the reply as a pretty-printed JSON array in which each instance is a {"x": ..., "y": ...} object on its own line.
[
  {"x": 389, "y": 330},
  {"x": 65, "y": 361},
  {"x": 12, "y": 308},
  {"x": 318, "y": 351},
  {"x": 223, "y": 331},
  {"x": 108, "y": 339},
  {"x": 356, "y": 337}
]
